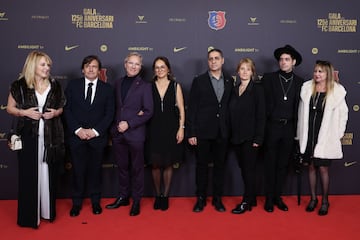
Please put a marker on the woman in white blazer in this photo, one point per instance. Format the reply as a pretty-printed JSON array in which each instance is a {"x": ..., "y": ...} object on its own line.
[{"x": 323, "y": 114}]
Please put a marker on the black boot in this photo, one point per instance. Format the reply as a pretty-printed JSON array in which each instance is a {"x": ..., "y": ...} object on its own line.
[
  {"x": 157, "y": 202},
  {"x": 164, "y": 203}
]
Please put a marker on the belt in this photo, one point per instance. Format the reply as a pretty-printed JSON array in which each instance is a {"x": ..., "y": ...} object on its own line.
[{"x": 282, "y": 121}]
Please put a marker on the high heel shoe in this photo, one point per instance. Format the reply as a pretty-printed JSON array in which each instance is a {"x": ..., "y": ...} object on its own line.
[
  {"x": 241, "y": 208},
  {"x": 324, "y": 209},
  {"x": 164, "y": 203},
  {"x": 157, "y": 202},
  {"x": 312, "y": 205}
]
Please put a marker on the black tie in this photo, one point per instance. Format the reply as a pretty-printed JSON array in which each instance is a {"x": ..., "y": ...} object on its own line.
[{"x": 89, "y": 93}]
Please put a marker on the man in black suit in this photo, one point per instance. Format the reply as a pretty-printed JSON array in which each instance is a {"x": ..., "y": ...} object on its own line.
[
  {"x": 89, "y": 111},
  {"x": 282, "y": 94},
  {"x": 207, "y": 127}
]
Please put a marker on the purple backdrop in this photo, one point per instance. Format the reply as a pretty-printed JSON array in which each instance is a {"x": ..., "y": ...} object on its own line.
[{"x": 183, "y": 32}]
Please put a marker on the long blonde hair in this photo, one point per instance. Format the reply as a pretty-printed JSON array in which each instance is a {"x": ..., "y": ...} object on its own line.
[
  {"x": 29, "y": 68},
  {"x": 330, "y": 76}
]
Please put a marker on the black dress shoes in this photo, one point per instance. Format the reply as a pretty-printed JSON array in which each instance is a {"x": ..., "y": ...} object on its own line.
[
  {"x": 312, "y": 205},
  {"x": 217, "y": 203},
  {"x": 269, "y": 205},
  {"x": 281, "y": 205},
  {"x": 324, "y": 209},
  {"x": 200, "y": 204},
  {"x": 75, "y": 211},
  {"x": 241, "y": 208},
  {"x": 135, "y": 209},
  {"x": 96, "y": 209},
  {"x": 120, "y": 201}
]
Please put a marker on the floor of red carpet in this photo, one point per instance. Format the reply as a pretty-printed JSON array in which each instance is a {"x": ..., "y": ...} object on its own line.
[{"x": 179, "y": 222}]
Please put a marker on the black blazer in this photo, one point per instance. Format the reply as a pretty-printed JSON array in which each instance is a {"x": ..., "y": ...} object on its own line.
[
  {"x": 269, "y": 81},
  {"x": 205, "y": 115},
  {"x": 98, "y": 115},
  {"x": 247, "y": 114}
]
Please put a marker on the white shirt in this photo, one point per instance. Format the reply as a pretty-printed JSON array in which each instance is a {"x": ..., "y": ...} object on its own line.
[{"x": 93, "y": 87}]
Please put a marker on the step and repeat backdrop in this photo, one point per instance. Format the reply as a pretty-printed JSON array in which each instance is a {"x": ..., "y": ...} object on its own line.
[{"x": 183, "y": 31}]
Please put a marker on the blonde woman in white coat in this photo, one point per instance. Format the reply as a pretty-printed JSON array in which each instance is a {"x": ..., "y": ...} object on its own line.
[{"x": 323, "y": 115}]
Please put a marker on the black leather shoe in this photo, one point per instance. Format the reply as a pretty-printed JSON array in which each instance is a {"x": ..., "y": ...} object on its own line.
[
  {"x": 157, "y": 202},
  {"x": 75, "y": 211},
  {"x": 281, "y": 205},
  {"x": 241, "y": 208},
  {"x": 200, "y": 204},
  {"x": 164, "y": 203},
  {"x": 312, "y": 205},
  {"x": 324, "y": 209},
  {"x": 269, "y": 205},
  {"x": 217, "y": 203},
  {"x": 96, "y": 209},
  {"x": 135, "y": 209},
  {"x": 120, "y": 201}
]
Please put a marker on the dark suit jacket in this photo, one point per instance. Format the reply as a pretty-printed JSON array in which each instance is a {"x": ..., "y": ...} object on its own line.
[
  {"x": 98, "y": 115},
  {"x": 205, "y": 115},
  {"x": 247, "y": 114},
  {"x": 270, "y": 80},
  {"x": 139, "y": 98}
]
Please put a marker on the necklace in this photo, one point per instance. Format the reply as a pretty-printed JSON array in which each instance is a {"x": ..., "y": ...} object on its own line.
[
  {"x": 41, "y": 87},
  {"x": 161, "y": 88},
  {"x": 282, "y": 85},
  {"x": 287, "y": 79},
  {"x": 315, "y": 100}
]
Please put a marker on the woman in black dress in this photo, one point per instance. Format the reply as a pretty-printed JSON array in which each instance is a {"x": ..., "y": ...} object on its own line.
[
  {"x": 165, "y": 130},
  {"x": 323, "y": 114},
  {"x": 37, "y": 101}
]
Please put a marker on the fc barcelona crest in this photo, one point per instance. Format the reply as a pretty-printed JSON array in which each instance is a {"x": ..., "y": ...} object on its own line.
[
  {"x": 103, "y": 75},
  {"x": 217, "y": 20}
]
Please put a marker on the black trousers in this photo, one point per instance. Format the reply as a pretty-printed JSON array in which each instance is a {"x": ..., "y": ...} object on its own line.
[
  {"x": 279, "y": 145},
  {"x": 210, "y": 150},
  {"x": 247, "y": 156},
  {"x": 86, "y": 170}
]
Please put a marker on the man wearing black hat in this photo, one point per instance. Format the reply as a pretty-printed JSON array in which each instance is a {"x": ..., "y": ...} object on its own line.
[{"x": 282, "y": 92}]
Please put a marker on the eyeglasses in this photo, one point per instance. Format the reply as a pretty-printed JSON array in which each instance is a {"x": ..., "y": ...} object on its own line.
[{"x": 159, "y": 68}]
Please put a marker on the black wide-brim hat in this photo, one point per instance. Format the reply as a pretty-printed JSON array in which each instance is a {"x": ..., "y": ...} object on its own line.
[{"x": 288, "y": 50}]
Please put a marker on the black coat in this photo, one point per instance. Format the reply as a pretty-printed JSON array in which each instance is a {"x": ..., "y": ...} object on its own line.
[
  {"x": 270, "y": 83},
  {"x": 247, "y": 114},
  {"x": 79, "y": 114},
  {"x": 53, "y": 128},
  {"x": 205, "y": 115}
]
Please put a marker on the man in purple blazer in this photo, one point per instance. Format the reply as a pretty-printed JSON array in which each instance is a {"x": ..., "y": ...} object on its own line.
[{"x": 134, "y": 107}]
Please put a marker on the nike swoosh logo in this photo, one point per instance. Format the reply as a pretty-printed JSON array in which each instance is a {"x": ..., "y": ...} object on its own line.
[
  {"x": 348, "y": 164},
  {"x": 178, "y": 49},
  {"x": 68, "y": 48},
  {"x": 3, "y": 107}
]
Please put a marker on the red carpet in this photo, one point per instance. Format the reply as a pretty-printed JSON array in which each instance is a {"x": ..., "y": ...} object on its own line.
[{"x": 179, "y": 222}]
